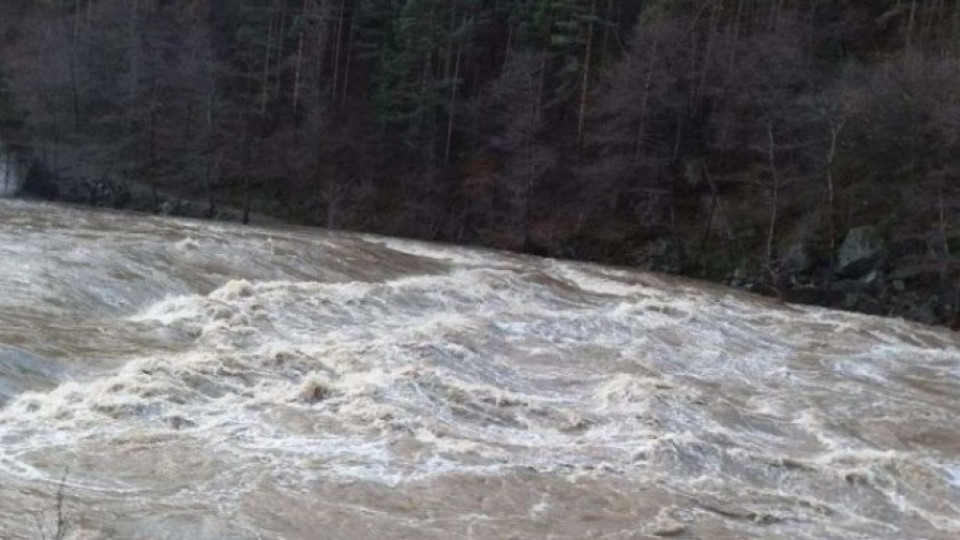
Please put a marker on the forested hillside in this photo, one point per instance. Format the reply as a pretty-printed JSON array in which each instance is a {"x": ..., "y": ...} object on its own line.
[{"x": 731, "y": 139}]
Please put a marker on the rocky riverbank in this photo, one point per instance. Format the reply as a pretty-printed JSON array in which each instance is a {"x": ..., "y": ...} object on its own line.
[
  {"x": 867, "y": 273},
  {"x": 41, "y": 183}
]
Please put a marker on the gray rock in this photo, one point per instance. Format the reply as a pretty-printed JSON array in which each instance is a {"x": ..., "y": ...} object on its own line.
[
  {"x": 873, "y": 277},
  {"x": 862, "y": 251},
  {"x": 797, "y": 260},
  {"x": 11, "y": 172}
]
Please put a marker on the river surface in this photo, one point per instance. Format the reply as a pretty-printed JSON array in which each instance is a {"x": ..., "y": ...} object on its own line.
[{"x": 178, "y": 379}]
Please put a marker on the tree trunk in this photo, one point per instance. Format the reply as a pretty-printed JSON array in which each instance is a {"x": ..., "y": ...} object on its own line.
[
  {"x": 540, "y": 88},
  {"x": 265, "y": 82},
  {"x": 942, "y": 226},
  {"x": 508, "y": 48},
  {"x": 910, "y": 24},
  {"x": 835, "y": 129},
  {"x": 134, "y": 88},
  {"x": 209, "y": 145},
  {"x": 605, "y": 40},
  {"x": 707, "y": 56},
  {"x": 74, "y": 86},
  {"x": 585, "y": 84},
  {"x": 338, "y": 37},
  {"x": 323, "y": 41},
  {"x": 644, "y": 105},
  {"x": 348, "y": 59},
  {"x": 527, "y": 220},
  {"x": 774, "y": 202},
  {"x": 453, "y": 104},
  {"x": 246, "y": 159},
  {"x": 733, "y": 38},
  {"x": 299, "y": 70},
  {"x": 278, "y": 61}
]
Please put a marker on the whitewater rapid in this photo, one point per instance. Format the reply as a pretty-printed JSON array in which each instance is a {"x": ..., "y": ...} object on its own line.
[{"x": 197, "y": 380}]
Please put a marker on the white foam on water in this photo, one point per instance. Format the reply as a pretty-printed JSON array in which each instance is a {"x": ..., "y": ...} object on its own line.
[
  {"x": 447, "y": 253},
  {"x": 953, "y": 474},
  {"x": 767, "y": 419}
]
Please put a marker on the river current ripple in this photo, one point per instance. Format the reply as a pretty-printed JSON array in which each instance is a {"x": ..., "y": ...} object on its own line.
[{"x": 181, "y": 379}]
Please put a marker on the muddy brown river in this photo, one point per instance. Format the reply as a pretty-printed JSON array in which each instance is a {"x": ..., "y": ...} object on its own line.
[{"x": 178, "y": 379}]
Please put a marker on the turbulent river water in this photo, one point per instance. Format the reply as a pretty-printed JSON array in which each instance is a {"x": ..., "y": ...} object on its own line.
[{"x": 177, "y": 379}]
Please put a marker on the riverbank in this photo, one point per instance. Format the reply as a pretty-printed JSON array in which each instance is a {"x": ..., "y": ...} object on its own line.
[{"x": 868, "y": 272}]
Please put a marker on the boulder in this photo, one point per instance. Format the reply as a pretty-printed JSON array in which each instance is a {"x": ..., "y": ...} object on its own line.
[
  {"x": 11, "y": 172},
  {"x": 875, "y": 277},
  {"x": 797, "y": 260},
  {"x": 862, "y": 251}
]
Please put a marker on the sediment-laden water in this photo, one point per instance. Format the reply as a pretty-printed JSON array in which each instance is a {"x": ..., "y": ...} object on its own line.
[{"x": 179, "y": 379}]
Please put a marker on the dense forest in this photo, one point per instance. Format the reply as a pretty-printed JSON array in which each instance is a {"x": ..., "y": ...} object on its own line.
[{"x": 743, "y": 140}]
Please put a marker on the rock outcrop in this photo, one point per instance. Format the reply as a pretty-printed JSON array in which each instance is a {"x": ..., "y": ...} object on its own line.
[
  {"x": 862, "y": 252},
  {"x": 11, "y": 172}
]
